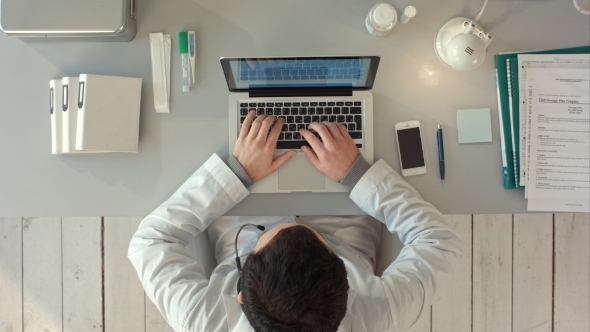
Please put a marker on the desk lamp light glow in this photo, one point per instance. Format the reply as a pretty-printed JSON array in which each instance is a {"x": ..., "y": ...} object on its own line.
[{"x": 461, "y": 43}]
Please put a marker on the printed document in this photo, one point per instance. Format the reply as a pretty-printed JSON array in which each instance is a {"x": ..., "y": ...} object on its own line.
[
  {"x": 559, "y": 160},
  {"x": 527, "y": 62}
]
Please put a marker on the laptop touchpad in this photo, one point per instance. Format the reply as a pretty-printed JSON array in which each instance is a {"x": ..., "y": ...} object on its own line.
[{"x": 300, "y": 174}]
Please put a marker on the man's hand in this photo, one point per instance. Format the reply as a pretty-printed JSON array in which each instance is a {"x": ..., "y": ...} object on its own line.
[
  {"x": 255, "y": 146},
  {"x": 335, "y": 154}
]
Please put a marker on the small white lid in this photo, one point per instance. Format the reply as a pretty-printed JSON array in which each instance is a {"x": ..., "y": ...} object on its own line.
[
  {"x": 410, "y": 11},
  {"x": 384, "y": 14}
]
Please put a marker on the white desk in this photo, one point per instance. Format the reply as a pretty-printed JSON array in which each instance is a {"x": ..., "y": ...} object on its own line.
[{"x": 411, "y": 84}]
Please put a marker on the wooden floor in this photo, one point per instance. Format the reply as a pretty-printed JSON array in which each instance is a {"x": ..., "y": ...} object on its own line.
[{"x": 526, "y": 272}]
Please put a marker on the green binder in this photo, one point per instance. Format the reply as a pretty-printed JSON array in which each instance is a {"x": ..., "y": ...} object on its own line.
[{"x": 507, "y": 76}]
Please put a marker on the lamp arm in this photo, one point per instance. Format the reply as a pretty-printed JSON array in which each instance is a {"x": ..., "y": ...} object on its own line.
[{"x": 481, "y": 11}]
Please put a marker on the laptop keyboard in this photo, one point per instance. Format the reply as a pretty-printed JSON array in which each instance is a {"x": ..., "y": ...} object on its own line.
[{"x": 299, "y": 115}]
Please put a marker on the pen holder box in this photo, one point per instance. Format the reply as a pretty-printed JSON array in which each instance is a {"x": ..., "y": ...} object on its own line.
[{"x": 87, "y": 20}]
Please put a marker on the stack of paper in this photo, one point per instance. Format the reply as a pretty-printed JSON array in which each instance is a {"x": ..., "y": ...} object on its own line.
[
  {"x": 93, "y": 113},
  {"x": 555, "y": 135},
  {"x": 509, "y": 93},
  {"x": 545, "y": 127}
]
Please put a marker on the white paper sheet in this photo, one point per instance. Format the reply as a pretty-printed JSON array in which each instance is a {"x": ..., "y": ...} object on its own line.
[
  {"x": 543, "y": 74},
  {"x": 531, "y": 61},
  {"x": 559, "y": 160}
]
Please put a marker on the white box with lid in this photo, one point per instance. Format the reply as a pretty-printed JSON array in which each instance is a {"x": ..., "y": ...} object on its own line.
[{"x": 89, "y": 20}]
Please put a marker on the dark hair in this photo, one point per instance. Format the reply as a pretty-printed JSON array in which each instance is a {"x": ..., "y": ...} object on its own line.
[{"x": 294, "y": 283}]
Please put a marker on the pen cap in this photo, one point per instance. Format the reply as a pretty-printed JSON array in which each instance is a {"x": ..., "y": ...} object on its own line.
[{"x": 183, "y": 42}]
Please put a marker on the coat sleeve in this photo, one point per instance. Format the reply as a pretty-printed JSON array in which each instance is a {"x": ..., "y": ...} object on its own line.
[
  {"x": 432, "y": 249},
  {"x": 170, "y": 275}
]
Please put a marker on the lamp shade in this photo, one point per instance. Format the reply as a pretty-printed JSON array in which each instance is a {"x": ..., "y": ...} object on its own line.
[{"x": 465, "y": 51}]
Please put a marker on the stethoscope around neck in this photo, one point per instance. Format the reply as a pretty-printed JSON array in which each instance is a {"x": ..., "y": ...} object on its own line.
[{"x": 238, "y": 263}]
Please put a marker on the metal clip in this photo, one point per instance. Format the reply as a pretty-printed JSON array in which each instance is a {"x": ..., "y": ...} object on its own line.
[
  {"x": 133, "y": 9},
  {"x": 80, "y": 94},
  {"x": 51, "y": 100},
  {"x": 64, "y": 98}
]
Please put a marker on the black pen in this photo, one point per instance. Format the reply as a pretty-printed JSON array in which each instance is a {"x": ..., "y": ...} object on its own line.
[{"x": 441, "y": 153}]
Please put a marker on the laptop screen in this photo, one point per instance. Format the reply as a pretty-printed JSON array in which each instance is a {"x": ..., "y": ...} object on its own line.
[{"x": 334, "y": 72}]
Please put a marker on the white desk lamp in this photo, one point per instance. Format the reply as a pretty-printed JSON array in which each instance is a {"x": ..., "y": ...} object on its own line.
[{"x": 461, "y": 43}]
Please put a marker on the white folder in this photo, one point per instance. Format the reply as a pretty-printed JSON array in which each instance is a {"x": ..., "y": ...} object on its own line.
[
  {"x": 69, "y": 92},
  {"x": 108, "y": 113},
  {"x": 56, "y": 116}
]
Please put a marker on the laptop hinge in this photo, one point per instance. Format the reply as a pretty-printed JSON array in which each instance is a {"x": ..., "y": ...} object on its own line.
[{"x": 300, "y": 93}]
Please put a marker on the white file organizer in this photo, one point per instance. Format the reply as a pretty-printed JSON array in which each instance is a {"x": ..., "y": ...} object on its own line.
[
  {"x": 69, "y": 113},
  {"x": 108, "y": 113},
  {"x": 56, "y": 116}
]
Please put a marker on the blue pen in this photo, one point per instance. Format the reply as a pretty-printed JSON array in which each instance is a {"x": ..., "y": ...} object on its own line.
[{"x": 441, "y": 153}]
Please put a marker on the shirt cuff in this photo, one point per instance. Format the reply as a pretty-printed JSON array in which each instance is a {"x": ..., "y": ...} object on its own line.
[
  {"x": 239, "y": 171},
  {"x": 356, "y": 172}
]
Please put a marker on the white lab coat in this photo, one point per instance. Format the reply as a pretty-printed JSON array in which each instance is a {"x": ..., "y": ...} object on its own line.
[{"x": 189, "y": 301}]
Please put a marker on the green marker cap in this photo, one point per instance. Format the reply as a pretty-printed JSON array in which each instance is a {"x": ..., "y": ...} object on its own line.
[{"x": 183, "y": 42}]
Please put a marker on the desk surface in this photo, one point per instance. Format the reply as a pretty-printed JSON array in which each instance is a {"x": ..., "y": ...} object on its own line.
[{"x": 411, "y": 84}]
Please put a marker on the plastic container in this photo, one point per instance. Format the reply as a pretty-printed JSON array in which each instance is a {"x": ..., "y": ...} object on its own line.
[
  {"x": 408, "y": 13},
  {"x": 381, "y": 19},
  {"x": 583, "y": 6}
]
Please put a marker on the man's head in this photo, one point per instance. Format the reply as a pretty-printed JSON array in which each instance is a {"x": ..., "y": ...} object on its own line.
[{"x": 293, "y": 282}]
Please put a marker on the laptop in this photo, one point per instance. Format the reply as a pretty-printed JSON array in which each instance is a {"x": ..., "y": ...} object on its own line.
[{"x": 303, "y": 90}]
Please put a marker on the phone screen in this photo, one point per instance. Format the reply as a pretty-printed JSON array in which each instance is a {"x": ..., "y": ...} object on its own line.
[{"x": 410, "y": 148}]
